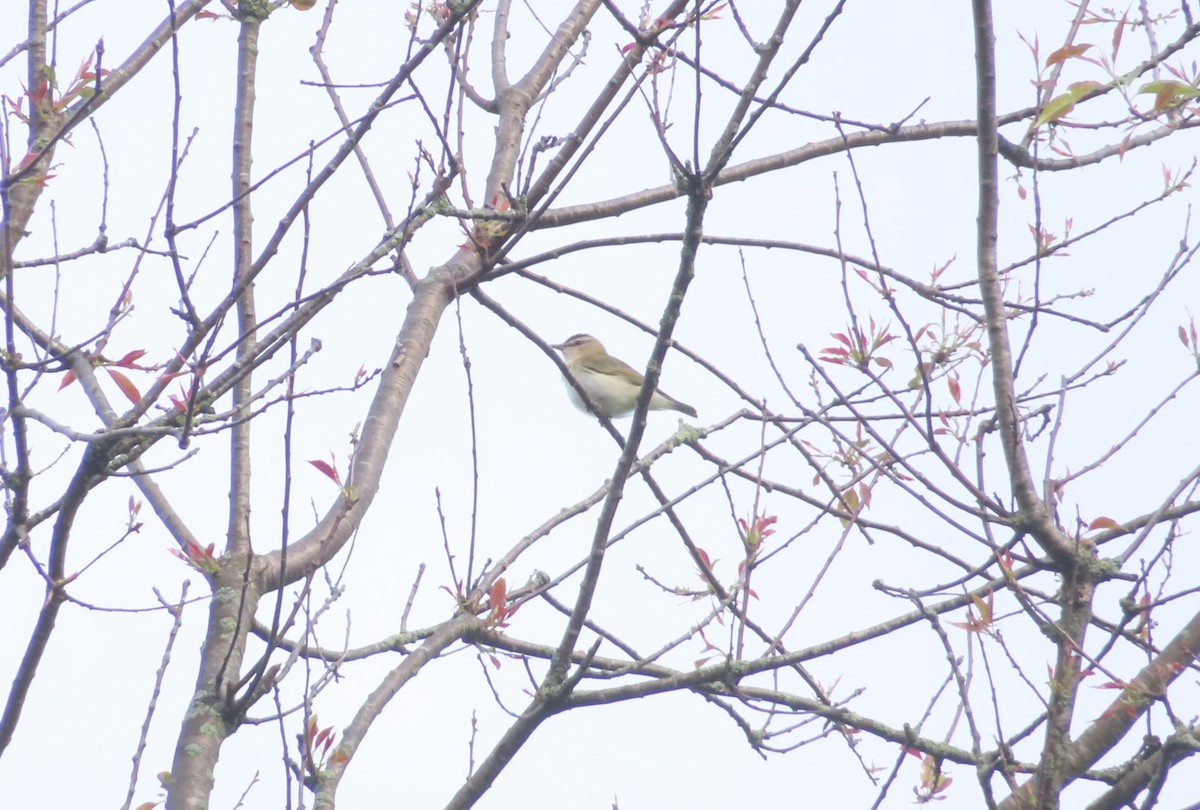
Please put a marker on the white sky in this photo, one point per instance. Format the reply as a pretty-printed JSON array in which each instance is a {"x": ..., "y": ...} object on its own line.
[{"x": 536, "y": 453}]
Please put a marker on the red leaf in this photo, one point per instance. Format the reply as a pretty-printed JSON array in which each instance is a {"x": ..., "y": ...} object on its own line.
[
  {"x": 1103, "y": 523},
  {"x": 69, "y": 378},
  {"x": 128, "y": 361},
  {"x": 327, "y": 469},
  {"x": 1066, "y": 52},
  {"x": 499, "y": 593},
  {"x": 127, "y": 387},
  {"x": 1124, "y": 146}
]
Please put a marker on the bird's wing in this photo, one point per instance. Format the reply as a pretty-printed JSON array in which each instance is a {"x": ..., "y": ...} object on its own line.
[{"x": 611, "y": 366}]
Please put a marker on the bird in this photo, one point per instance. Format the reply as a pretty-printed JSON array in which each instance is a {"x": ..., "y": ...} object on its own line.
[{"x": 611, "y": 384}]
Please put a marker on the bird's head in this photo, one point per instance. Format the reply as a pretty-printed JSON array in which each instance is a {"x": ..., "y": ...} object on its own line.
[{"x": 581, "y": 347}]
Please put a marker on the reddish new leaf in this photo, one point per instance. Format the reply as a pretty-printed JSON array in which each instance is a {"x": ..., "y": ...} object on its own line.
[
  {"x": 327, "y": 469},
  {"x": 1117, "y": 34},
  {"x": 1066, "y": 52},
  {"x": 130, "y": 360},
  {"x": 498, "y": 594},
  {"x": 126, "y": 385}
]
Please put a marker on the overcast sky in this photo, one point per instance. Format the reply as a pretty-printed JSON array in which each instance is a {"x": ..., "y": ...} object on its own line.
[{"x": 881, "y": 62}]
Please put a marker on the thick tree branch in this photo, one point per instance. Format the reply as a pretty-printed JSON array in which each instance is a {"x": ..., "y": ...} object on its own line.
[{"x": 1033, "y": 515}]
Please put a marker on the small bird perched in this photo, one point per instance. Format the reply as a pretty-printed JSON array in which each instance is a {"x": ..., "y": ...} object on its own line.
[{"x": 612, "y": 385}]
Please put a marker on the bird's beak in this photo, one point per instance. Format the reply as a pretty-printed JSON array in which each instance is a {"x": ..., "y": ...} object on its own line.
[{"x": 559, "y": 346}]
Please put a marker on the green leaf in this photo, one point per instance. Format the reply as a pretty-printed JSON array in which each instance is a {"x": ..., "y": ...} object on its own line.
[
  {"x": 1059, "y": 106},
  {"x": 1169, "y": 93},
  {"x": 1173, "y": 86}
]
